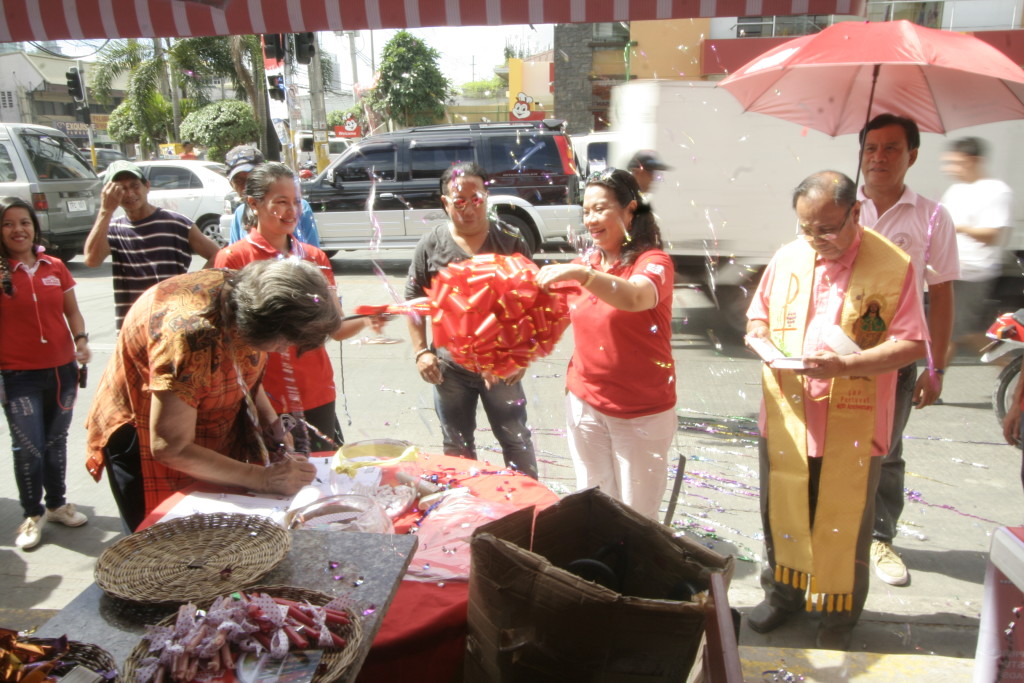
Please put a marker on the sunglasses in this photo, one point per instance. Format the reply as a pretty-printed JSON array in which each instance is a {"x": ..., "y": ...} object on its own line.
[
  {"x": 607, "y": 175},
  {"x": 460, "y": 203}
]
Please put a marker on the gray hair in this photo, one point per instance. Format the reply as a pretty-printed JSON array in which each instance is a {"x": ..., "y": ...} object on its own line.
[
  {"x": 282, "y": 299},
  {"x": 829, "y": 183},
  {"x": 258, "y": 184}
]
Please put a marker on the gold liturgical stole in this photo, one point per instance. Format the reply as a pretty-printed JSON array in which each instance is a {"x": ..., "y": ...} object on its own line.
[{"x": 823, "y": 556}]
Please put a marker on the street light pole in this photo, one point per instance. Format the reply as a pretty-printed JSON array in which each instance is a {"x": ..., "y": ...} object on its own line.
[
  {"x": 88, "y": 113},
  {"x": 318, "y": 109}
]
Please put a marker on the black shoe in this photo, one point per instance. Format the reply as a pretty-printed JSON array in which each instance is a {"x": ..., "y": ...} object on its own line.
[
  {"x": 766, "y": 617},
  {"x": 834, "y": 637}
]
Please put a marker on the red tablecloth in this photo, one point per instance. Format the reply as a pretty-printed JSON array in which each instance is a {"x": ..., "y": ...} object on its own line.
[{"x": 423, "y": 634}]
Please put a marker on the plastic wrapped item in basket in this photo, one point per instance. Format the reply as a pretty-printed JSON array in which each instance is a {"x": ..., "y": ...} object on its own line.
[
  {"x": 347, "y": 512},
  {"x": 383, "y": 469},
  {"x": 59, "y": 655},
  {"x": 295, "y": 619}
]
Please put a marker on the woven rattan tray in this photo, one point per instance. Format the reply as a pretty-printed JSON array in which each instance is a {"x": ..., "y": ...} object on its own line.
[
  {"x": 92, "y": 657},
  {"x": 192, "y": 558},
  {"x": 333, "y": 663}
]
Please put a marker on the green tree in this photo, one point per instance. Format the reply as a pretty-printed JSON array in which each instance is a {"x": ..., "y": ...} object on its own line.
[
  {"x": 494, "y": 87},
  {"x": 220, "y": 126},
  {"x": 145, "y": 122},
  {"x": 180, "y": 70},
  {"x": 411, "y": 90}
]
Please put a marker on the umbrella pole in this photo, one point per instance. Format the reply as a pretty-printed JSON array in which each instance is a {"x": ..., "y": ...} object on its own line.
[{"x": 871, "y": 99}]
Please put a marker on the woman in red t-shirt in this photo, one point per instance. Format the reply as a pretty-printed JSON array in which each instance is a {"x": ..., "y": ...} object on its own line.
[
  {"x": 302, "y": 386},
  {"x": 42, "y": 335},
  {"x": 621, "y": 391}
]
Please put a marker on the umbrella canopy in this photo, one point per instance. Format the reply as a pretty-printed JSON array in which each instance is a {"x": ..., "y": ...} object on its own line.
[{"x": 826, "y": 81}]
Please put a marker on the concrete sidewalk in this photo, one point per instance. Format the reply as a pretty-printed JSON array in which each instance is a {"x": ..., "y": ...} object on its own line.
[{"x": 963, "y": 481}]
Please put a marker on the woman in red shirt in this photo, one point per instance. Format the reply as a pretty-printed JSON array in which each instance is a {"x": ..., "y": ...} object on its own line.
[
  {"x": 302, "y": 386},
  {"x": 620, "y": 386},
  {"x": 43, "y": 335}
]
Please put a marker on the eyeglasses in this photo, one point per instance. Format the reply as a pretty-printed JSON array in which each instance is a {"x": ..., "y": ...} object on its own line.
[
  {"x": 825, "y": 234},
  {"x": 460, "y": 203}
]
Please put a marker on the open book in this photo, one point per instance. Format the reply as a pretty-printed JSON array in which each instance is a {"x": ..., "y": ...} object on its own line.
[
  {"x": 834, "y": 338},
  {"x": 771, "y": 354}
]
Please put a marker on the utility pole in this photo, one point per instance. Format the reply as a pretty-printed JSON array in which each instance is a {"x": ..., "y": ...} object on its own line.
[
  {"x": 291, "y": 101},
  {"x": 318, "y": 109},
  {"x": 88, "y": 114},
  {"x": 352, "y": 56}
]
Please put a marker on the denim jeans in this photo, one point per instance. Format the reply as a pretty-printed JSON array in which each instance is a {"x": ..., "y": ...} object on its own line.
[
  {"x": 889, "y": 499},
  {"x": 38, "y": 405},
  {"x": 505, "y": 405}
]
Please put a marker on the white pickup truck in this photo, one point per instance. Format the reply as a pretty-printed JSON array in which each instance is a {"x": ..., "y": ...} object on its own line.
[{"x": 725, "y": 207}]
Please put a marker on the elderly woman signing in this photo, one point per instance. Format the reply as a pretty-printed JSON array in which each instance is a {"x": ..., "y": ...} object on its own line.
[{"x": 182, "y": 399}]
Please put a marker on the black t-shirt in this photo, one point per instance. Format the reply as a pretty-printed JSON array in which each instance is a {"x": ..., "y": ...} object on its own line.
[{"x": 437, "y": 249}]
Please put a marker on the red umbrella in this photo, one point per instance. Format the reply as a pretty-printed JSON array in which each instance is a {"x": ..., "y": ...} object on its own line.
[{"x": 836, "y": 80}]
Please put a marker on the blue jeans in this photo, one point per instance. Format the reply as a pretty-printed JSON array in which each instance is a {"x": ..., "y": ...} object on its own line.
[
  {"x": 455, "y": 401},
  {"x": 889, "y": 499},
  {"x": 38, "y": 406}
]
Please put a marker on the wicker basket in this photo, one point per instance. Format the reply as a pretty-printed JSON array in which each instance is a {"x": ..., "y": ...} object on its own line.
[
  {"x": 192, "y": 558},
  {"x": 90, "y": 656},
  {"x": 333, "y": 663}
]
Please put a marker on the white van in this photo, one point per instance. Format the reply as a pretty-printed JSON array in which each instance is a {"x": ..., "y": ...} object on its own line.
[
  {"x": 306, "y": 153},
  {"x": 42, "y": 166}
]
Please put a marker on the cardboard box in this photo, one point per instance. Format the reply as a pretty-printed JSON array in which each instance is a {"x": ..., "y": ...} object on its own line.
[{"x": 531, "y": 620}]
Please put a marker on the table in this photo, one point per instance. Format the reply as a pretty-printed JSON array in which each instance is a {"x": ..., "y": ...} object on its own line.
[
  {"x": 425, "y": 629},
  {"x": 380, "y": 560},
  {"x": 1004, "y": 591}
]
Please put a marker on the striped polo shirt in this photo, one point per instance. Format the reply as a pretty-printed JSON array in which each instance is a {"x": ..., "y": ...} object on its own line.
[{"x": 145, "y": 253}]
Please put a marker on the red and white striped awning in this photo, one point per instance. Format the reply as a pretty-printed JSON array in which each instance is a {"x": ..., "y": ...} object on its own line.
[{"x": 75, "y": 19}]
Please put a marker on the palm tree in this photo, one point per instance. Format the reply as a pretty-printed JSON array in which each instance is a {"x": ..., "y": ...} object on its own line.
[
  {"x": 252, "y": 82},
  {"x": 179, "y": 70}
]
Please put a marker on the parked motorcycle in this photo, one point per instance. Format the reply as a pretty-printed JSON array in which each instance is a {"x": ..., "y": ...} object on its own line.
[{"x": 1007, "y": 333}]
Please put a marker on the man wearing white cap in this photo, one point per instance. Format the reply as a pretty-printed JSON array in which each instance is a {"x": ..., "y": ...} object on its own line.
[{"x": 147, "y": 244}]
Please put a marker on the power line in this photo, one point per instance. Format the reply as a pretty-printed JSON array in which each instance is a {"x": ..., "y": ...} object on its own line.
[{"x": 46, "y": 50}]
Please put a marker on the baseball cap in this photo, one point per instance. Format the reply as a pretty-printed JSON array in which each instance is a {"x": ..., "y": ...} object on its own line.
[
  {"x": 648, "y": 160},
  {"x": 243, "y": 158},
  {"x": 123, "y": 166}
]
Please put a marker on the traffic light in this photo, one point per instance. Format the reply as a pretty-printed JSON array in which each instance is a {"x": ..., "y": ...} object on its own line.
[
  {"x": 273, "y": 46},
  {"x": 75, "y": 88},
  {"x": 275, "y": 86},
  {"x": 305, "y": 47}
]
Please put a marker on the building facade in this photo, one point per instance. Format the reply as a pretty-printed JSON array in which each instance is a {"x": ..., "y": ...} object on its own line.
[{"x": 592, "y": 58}]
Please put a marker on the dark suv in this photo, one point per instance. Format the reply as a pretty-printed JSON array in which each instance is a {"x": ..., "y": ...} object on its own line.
[{"x": 535, "y": 186}]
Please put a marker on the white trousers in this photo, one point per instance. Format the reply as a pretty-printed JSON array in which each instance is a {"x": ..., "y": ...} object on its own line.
[{"x": 627, "y": 458}]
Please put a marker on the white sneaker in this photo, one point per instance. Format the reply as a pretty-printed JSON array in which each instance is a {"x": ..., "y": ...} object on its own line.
[
  {"x": 889, "y": 566},
  {"x": 29, "y": 533},
  {"x": 67, "y": 515}
]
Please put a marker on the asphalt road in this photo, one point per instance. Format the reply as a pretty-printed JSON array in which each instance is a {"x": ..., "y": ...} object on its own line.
[{"x": 962, "y": 482}]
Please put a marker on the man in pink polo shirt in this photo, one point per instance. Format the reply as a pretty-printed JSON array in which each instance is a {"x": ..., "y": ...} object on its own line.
[{"x": 837, "y": 289}]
